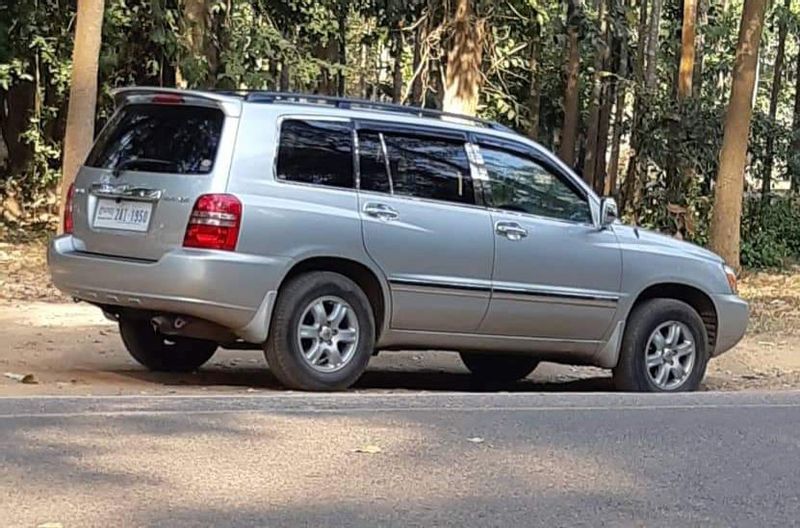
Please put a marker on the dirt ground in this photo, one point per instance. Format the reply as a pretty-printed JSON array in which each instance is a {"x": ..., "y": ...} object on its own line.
[{"x": 71, "y": 348}]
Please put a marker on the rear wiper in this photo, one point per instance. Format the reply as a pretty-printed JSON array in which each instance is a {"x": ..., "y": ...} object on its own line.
[{"x": 131, "y": 162}]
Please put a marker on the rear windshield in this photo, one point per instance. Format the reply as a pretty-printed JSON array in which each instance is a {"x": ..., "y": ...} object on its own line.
[{"x": 159, "y": 138}]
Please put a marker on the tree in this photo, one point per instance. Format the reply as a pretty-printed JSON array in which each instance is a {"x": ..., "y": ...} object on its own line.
[
  {"x": 535, "y": 90},
  {"x": 83, "y": 91},
  {"x": 572, "y": 65},
  {"x": 794, "y": 160},
  {"x": 725, "y": 231},
  {"x": 463, "y": 77},
  {"x": 777, "y": 80},
  {"x": 651, "y": 71},
  {"x": 593, "y": 129}
]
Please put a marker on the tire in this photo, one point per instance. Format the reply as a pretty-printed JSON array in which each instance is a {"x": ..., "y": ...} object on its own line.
[
  {"x": 496, "y": 368},
  {"x": 320, "y": 362},
  {"x": 632, "y": 373},
  {"x": 162, "y": 353}
]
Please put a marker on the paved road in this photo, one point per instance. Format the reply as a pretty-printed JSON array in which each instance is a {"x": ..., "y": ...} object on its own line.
[{"x": 706, "y": 459}]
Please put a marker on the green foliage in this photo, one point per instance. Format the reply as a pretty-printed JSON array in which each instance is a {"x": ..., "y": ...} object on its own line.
[{"x": 770, "y": 231}]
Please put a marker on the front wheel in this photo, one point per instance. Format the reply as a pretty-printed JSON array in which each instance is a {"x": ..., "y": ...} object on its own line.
[
  {"x": 499, "y": 368},
  {"x": 160, "y": 352},
  {"x": 665, "y": 348}
]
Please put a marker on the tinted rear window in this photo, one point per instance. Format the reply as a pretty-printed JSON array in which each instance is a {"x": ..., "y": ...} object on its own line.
[
  {"x": 159, "y": 138},
  {"x": 318, "y": 152}
]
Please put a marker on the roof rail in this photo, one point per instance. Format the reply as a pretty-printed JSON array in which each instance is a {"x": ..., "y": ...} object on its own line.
[{"x": 362, "y": 104}]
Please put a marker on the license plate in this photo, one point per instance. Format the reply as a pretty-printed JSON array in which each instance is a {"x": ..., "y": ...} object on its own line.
[{"x": 127, "y": 215}]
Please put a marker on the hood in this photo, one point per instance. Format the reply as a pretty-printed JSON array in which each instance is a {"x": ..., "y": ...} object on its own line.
[{"x": 637, "y": 238}]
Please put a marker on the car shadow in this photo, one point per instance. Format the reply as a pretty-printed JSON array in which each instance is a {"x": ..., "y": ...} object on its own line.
[{"x": 381, "y": 379}]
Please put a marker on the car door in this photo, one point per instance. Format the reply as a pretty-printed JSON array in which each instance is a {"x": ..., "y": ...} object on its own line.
[
  {"x": 422, "y": 227},
  {"x": 556, "y": 275}
]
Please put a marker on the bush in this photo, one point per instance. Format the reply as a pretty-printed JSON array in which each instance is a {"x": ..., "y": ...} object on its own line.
[{"x": 770, "y": 231}]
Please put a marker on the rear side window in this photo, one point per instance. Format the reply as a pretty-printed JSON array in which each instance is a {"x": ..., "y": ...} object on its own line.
[
  {"x": 159, "y": 138},
  {"x": 372, "y": 163},
  {"x": 319, "y": 152},
  {"x": 431, "y": 168}
]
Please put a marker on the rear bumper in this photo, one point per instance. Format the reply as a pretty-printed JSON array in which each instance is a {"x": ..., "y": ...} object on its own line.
[
  {"x": 732, "y": 316},
  {"x": 231, "y": 289}
]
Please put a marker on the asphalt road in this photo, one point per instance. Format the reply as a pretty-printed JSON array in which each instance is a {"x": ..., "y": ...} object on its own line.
[{"x": 444, "y": 459}]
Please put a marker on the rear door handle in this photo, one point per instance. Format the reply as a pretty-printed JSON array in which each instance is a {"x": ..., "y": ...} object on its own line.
[
  {"x": 510, "y": 230},
  {"x": 381, "y": 211}
]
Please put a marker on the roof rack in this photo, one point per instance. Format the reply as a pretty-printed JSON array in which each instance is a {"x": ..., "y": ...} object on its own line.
[{"x": 361, "y": 104}]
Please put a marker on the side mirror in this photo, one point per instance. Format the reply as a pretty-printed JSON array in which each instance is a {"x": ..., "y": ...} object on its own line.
[{"x": 608, "y": 212}]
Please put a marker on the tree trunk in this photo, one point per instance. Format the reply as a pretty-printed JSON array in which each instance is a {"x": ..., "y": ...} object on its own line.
[
  {"x": 535, "y": 90},
  {"x": 203, "y": 62},
  {"x": 725, "y": 232},
  {"x": 416, "y": 84},
  {"x": 702, "y": 22},
  {"x": 686, "y": 67},
  {"x": 794, "y": 159},
  {"x": 629, "y": 184},
  {"x": 463, "y": 76},
  {"x": 569, "y": 130},
  {"x": 651, "y": 71},
  {"x": 341, "y": 76},
  {"x": 79, "y": 133},
  {"x": 19, "y": 102},
  {"x": 679, "y": 173},
  {"x": 777, "y": 80},
  {"x": 397, "y": 76},
  {"x": 284, "y": 79},
  {"x": 612, "y": 173},
  {"x": 598, "y": 84}
]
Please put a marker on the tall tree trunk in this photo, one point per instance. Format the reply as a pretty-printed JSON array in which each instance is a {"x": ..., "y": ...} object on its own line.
[
  {"x": 284, "y": 79},
  {"x": 702, "y": 22},
  {"x": 651, "y": 71},
  {"x": 777, "y": 80},
  {"x": 679, "y": 173},
  {"x": 203, "y": 60},
  {"x": 416, "y": 84},
  {"x": 535, "y": 90},
  {"x": 341, "y": 18},
  {"x": 397, "y": 75},
  {"x": 463, "y": 76},
  {"x": 619, "y": 108},
  {"x": 794, "y": 160},
  {"x": 569, "y": 130},
  {"x": 725, "y": 232},
  {"x": 632, "y": 171},
  {"x": 82, "y": 92},
  {"x": 598, "y": 85},
  {"x": 17, "y": 114},
  {"x": 686, "y": 67}
]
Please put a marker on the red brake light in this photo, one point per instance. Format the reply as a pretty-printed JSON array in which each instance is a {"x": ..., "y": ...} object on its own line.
[
  {"x": 167, "y": 99},
  {"x": 214, "y": 223},
  {"x": 68, "y": 221}
]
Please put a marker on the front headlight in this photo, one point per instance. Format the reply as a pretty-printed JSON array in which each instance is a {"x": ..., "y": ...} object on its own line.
[{"x": 731, "y": 276}]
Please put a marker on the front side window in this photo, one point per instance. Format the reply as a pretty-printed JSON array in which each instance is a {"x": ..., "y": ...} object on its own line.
[
  {"x": 430, "y": 168},
  {"x": 178, "y": 139},
  {"x": 318, "y": 152},
  {"x": 517, "y": 183}
]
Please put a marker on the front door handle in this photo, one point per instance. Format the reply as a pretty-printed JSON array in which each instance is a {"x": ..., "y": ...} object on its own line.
[
  {"x": 510, "y": 230},
  {"x": 381, "y": 211}
]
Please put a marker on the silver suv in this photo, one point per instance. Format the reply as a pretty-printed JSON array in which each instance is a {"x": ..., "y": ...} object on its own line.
[{"x": 325, "y": 230}]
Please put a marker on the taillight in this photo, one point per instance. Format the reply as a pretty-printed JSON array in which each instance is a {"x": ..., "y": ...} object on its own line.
[
  {"x": 214, "y": 223},
  {"x": 68, "y": 221}
]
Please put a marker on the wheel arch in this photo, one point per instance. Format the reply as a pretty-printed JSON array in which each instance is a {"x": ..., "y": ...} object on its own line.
[
  {"x": 699, "y": 300},
  {"x": 365, "y": 277}
]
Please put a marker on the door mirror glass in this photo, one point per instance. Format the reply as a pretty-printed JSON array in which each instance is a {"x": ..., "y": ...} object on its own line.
[{"x": 608, "y": 212}]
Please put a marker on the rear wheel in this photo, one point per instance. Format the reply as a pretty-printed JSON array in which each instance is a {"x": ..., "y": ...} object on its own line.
[
  {"x": 664, "y": 348},
  {"x": 499, "y": 368},
  {"x": 322, "y": 333},
  {"x": 160, "y": 352}
]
